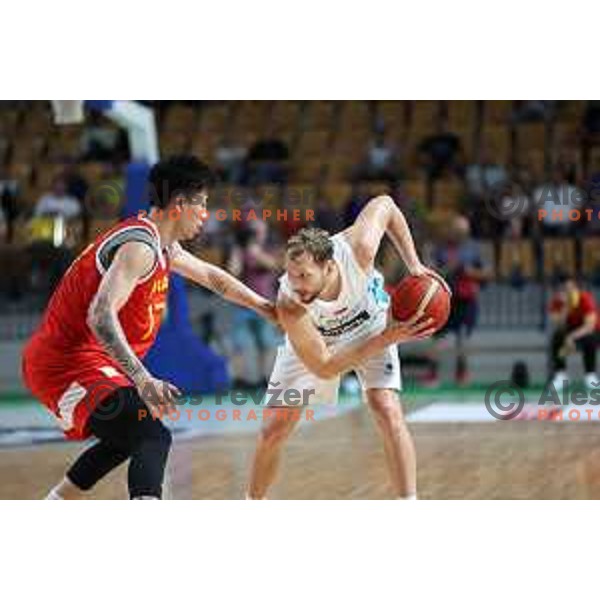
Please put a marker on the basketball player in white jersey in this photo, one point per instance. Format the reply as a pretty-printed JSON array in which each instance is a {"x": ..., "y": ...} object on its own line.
[{"x": 334, "y": 310}]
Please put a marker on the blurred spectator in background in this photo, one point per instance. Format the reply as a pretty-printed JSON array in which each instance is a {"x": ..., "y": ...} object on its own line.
[
  {"x": 9, "y": 192},
  {"x": 381, "y": 161},
  {"x": 58, "y": 202},
  {"x": 516, "y": 205},
  {"x": 533, "y": 110},
  {"x": 253, "y": 262},
  {"x": 47, "y": 250},
  {"x": 267, "y": 162},
  {"x": 357, "y": 199},
  {"x": 567, "y": 161},
  {"x": 590, "y": 129},
  {"x": 230, "y": 157},
  {"x": 556, "y": 198},
  {"x": 574, "y": 314},
  {"x": 3, "y": 227},
  {"x": 77, "y": 186},
  {"x": 484, "y": 175},
  {"x": 14, "y": 266},
  {"x": 592, "y": 226},
  {"x": 591, "y": 121},
  {"x": 441, "y": 152},
  {"x": 460, "y": 261}
]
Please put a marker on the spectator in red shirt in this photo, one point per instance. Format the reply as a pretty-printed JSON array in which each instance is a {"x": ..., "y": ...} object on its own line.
[{"x": 574, "y": 314}]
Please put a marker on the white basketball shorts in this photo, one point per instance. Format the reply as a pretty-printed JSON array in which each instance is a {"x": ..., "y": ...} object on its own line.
[{"x": 292, "y": 384}]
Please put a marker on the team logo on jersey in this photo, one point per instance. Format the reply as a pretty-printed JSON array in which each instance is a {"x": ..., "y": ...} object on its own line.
[{"x": 340, "y": 328}]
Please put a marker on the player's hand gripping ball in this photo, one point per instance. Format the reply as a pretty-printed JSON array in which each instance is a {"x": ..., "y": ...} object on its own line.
[{"x": 422, "y": 297}]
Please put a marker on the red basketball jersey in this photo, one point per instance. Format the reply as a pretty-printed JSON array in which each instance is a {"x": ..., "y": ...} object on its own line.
[{"x": 63, "y": 360}]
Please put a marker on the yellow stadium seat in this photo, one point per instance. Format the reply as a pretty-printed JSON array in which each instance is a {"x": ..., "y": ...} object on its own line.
[
  {"x": 313, "y": 143},
  {"x": 448, "y": 193},
  {"x": 21, "y": 171},
  {"x": 319, "y": 114},
  {"x": 488, "y": 254},
  {"x": 28, "y": 149},
  {"x": 377, "y": 188},
  {"x": 285, "y": 114},
  {"x": 519, "y": 256},
  {"x": 180, "y": 118},
  {"x": 535, "y": 161},
  {"x": 9, "y": 121},
  {"x": 174, "y": 142},
  {"x": 339, "y": 168},
  {"x": 462, "y": 115},
  {"x": 497, "y": 111},
  {"x": 355, "y": 114},
  {"x": 392, "y": 113},
  {"x": 572, "y": 111},
  {"x": 497, "y": 140},
  {"x": 559, "y": 257},
  {"x": 425, "y": 115},
  {"x": 416, "y": 189},
  {"x": 336, "y": 194},
  {"x": 590, "y": 257},
  {"x": 531, "y": 136},
  {"x": 214, "y": 117},
  {"x": 250, "y": 116},
  {"x": 308, "y": 169}
]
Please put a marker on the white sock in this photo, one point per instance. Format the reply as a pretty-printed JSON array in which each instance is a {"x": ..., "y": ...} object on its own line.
[
  {"x": 409, "y": 497},
  {"x": 560, "y": 380},
  {"x": 53, "y": 495},
  {"x": 591, "y": 380}
]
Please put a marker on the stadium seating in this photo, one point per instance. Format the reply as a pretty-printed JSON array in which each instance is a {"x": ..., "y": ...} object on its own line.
[
  {"x": 328, "y": 140},
  {"x": 559, "y": 257},
  {"x": 517, "y": 258}
]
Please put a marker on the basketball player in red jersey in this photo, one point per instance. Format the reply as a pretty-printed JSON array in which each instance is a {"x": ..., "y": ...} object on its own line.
[{"x": 84, "y": 361}]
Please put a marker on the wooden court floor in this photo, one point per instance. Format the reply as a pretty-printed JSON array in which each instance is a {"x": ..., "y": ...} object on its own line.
[{"x": 342, "y": 458}]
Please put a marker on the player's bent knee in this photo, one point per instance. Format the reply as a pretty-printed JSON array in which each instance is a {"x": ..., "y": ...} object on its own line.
[
  {"x": 150, "y": 428},
  {"x": 386, "y": 407},
  {"x": 276, "y": 432},
  {"x": 158, "y": 434}
]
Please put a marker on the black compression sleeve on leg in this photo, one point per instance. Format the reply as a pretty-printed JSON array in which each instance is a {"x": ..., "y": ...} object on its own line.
[
  {"x": 559, "y": 363},
  {"x": 94, "y": 463},
  {"x": 148, "y": 461},
  {"x": 127, "y": 424},
  {"x": 588, "y": 345}
]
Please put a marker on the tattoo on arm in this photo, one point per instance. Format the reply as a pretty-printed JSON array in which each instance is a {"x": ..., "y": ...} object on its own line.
[
  {"x": 232, "y": 289},
  {"x": 106, "y": 326},
  {"x": 217, "y": 282}
]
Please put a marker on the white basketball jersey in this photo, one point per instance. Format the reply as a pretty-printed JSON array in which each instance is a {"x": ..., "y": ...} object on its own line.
[{"x": 361, "y": 307}]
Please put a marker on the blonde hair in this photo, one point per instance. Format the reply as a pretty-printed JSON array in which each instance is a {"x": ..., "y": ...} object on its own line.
[{"x": 313, "y": 241}]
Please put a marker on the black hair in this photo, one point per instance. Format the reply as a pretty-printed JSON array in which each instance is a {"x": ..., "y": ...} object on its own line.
[{"x": 181, "y": 174}]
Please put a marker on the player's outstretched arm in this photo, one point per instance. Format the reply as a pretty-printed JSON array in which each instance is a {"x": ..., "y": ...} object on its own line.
[
  {"x": 220, "y": 282},
  {"x": 132, "y": 262},
  {"x": 316, "y": 356},
  {"x": 381, "y": 215}
]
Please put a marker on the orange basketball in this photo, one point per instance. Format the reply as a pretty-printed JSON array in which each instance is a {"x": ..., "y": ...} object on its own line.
[{"x": 426, "y": 295}]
